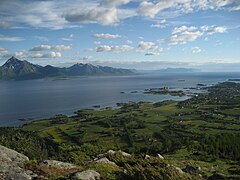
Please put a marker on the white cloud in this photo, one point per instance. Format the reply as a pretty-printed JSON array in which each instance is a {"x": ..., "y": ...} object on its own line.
[
  {"x": 82, "y": 59},
  {"x": 150, "y": 9},
  {"x": 145, "y": 45},
  {"x": 153, "y": 8},
  {"x": 160, "y": 26},
  {"x": 3, "y": 50},
  {"x": 85, "y": 58},
  {"x": 183, "y": 28},
  {"x": 104, "y": 16},
  {"x": 106, "y": 48},
  {"x": 129, "y": 42},
  {"x": 10, "y": 39},
  {"x": 26, "y": 54},
  {"x": 183, "y": 34},
  {"x": 47, "y": 55},
  {"x": 21, "y": 54},
  {"x": 107, "y": 36},
  {"x": 196, "y": 49},
  {"x": 114, "y": 3},
  {"x": 220, "y": 3},
  {"x": 152, "y": 54},
  {"x": 60, "y": 47},
  {"x": 214, "y": 30},
  {"x": 18, "y": 54},
  {"x": 162, "y": 21},
  {"x": 49, "y": 47},
  {"x": 210, "y": 30},
  {"x": 41, "y": 48},
  {"x": 184, "y": 37},
  {"x": 44, "y": 14},
  {"x": 64, "y": 14},
  {"x": 235, "y": 8}
]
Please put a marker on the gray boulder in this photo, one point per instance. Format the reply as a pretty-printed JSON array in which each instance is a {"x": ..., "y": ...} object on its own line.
[
  {"x": 105, "y": 161},
  {"x": 57, "y": 164},
  {"x": 11, "y": 165},
  {"x": 119, "y": 152},
  {"x": 86, "y": 175},
  {"x": 12, "y": 155},
  {"x": 147, "y": 156},
  {"x": 111, "y": 151},
  {"x": 178, "y": 169},
  {"x": 124, "y": 153},
  {"x": 160, "y": 156}
]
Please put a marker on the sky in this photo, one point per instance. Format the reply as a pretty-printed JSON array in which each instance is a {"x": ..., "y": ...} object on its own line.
[{"x": 140, "y": 34}]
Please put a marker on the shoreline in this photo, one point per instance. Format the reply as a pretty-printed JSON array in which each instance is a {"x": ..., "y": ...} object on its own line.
[{"x": 70, "y": 111}]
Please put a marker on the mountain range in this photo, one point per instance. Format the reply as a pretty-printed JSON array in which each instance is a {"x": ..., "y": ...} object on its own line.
[{"x": 22, "y": 70}]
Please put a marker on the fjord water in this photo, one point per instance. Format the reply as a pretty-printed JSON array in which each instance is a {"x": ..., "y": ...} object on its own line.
[{"x": 47, "y": 97}]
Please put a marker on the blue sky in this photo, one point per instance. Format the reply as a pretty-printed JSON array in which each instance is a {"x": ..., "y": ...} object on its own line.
[{"x": 139, "y": 34}]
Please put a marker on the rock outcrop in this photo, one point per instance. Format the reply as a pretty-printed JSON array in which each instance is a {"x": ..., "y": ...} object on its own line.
[
  {"x": 178, "y": 169},
  {"x": 160, "y": 156},
  {"x": 147, "y": 156},
  {"x": 58, "y": 164},
  {"x": 119, "y": 152},
  {"x": 86, "y": 175},
  {"x": 105, "y": 161},
  {"x": 11, "y": 165}
]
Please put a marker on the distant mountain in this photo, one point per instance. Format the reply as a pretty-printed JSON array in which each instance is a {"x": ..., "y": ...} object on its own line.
[
  {"x": 170, "y": 70},
  {"x": 21, "y": 70},
  {"x": 16, "y": 69}
]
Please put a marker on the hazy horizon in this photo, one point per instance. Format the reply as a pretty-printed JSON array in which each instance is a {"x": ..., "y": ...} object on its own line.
[{"x": 152, "y": 66}]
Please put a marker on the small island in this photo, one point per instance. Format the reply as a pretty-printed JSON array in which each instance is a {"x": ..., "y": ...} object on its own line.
[
  {"x": 234, "y": 79},
  {"x": 164, "y": 91},
  {"x": 200, "y": 84}
]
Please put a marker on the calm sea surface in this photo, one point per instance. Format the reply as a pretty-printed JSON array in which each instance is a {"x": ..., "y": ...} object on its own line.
[{"x": 47, "y": 97}]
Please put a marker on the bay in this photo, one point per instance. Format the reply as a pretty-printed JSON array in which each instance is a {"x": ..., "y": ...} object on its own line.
[{"x": 44, "y": 98}]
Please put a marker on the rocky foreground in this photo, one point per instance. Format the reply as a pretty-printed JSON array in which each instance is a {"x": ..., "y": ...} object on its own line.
[{"x": 15, "y": 165}]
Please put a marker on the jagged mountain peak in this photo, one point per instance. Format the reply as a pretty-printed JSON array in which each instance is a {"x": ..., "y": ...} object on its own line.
[
  {"x": 77, "y": 65},
  {"x": 13, "y": 59},
  {"x": 88, "y": 64},
  {"x": 13, "y": 62}
]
